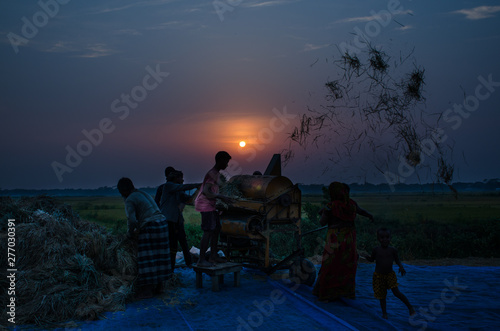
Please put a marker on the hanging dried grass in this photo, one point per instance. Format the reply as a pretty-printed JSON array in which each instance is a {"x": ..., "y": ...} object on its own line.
[{"x": 375, "y": 107}]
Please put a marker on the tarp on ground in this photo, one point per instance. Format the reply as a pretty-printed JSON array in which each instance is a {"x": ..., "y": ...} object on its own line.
[{"x": 445, "y": 297}]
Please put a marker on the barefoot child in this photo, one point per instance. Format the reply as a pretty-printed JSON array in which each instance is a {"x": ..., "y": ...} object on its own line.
[{"x": 384, "y": 277}]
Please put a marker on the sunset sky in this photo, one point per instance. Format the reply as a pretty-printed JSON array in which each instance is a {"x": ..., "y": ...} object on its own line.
[{"x": 95, "y": 90}]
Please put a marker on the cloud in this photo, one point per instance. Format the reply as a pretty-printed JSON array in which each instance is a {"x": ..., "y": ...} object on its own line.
[
  {"x": 311, "y": 47},
  {"x": 405, "y": 27},
  {"x": 131, "y": 32},
  {"x": 478, "y": 13},
  {"x": 167, "y": 25},
  {"x": 269, "y": 3},
  {"x": 136, "y": 4},
  {"x": 90, "y": 51},
  {"x": 61, "y": 47},
  {"x": 97, "y": 50},
  {"x": 179, "y": 25},
  {"x": 372, "y": 17}
]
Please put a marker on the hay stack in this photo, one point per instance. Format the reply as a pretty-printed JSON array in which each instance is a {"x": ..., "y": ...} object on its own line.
[{"x": 68, "y": 268}]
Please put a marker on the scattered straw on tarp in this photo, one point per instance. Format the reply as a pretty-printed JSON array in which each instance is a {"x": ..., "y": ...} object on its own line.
[{"x": 67, "y": 268}]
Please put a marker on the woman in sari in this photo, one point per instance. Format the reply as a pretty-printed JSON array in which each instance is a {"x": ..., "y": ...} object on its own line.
[{"x": 337, "y": 275}]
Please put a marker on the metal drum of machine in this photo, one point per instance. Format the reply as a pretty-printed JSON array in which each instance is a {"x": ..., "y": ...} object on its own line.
[{"x": 266, "y": 205}]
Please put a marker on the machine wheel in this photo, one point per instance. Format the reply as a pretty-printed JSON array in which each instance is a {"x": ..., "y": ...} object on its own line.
[{"x": 303, "y": 271}]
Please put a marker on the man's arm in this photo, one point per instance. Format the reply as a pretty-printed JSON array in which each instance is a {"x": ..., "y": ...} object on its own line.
[
  {"x": 207, "y": 191},
  {"x": 170, "y": 187},
  {"x": 159, "y": 191},
  {"x": 174, "y": 187},
  {"x": 132, "y": 223}
]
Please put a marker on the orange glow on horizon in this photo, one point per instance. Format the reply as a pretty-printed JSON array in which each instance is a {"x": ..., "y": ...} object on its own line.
[{"x": 209, "y": 134}]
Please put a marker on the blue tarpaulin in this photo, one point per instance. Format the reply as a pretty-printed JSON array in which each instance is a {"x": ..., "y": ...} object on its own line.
[{"x": 447, "y": 297}]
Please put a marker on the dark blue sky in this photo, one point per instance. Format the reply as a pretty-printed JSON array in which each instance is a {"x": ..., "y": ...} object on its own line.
[{"x": 92, "y": 91}]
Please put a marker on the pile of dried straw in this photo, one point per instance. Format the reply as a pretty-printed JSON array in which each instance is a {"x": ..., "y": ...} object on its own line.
[{"x": 67, "y": 268}]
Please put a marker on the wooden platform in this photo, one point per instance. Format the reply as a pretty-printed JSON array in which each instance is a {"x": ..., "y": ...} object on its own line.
[{"x": 217, "y": 273}]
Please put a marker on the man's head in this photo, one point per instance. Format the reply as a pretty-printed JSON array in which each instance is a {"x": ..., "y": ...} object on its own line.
[
  {"x": 168, "y": 170},
  {"x": 176, "y": 176},
  {"x": 125, "y": 186},
  {"x": 222, "y": 160}
]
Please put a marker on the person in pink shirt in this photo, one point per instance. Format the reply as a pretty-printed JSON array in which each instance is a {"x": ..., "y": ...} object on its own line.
[{"x": 210, "y": 216}]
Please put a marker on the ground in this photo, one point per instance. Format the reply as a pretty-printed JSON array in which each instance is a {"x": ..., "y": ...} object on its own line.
[{"x": 470, "y": 261}]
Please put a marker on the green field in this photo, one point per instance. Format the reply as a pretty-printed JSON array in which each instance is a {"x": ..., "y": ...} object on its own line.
[
  {"x": 106, "y": 211},
  {"x": 422, "y": 207},
  {"x": 424, "y": 225},
  {"x": 110, "y": 211}
]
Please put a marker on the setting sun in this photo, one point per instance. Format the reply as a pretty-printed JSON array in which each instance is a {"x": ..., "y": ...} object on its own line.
[{"x": 242, "y": 144}]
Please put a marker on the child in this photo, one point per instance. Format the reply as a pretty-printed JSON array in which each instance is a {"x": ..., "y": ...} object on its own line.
[{"x": 384, "y": 277}]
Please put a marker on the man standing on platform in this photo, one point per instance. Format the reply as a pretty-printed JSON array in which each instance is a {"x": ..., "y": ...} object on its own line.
[{"x": 205, "y": 203}]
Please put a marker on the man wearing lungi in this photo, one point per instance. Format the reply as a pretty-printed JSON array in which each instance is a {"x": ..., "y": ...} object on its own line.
[{"x": 148, "y": 225}]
